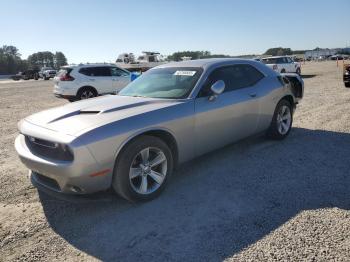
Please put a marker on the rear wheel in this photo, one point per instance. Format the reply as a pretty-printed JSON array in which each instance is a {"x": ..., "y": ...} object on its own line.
[
  {"x": 142, "y": 169},
  {"x": 347, "y": 84},
  {"x": 282, "y": 121},
  {"x": 86, "y": 93},
  {"x": 283, "y": 70}
]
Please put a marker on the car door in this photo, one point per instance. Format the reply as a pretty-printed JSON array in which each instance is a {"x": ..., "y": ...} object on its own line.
[
  {"x": 291, "y": 65},
  {"x": 120, "y": 78},
  {"x": 234, "y": 114},
  {"x": 100, "y": 78}
]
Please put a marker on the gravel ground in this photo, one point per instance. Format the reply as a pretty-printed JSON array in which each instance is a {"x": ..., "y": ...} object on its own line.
[{"x": 256, "y": 200}]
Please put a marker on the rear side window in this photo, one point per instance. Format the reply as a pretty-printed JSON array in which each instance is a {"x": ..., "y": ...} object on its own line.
[
  {"x": 235, "y": 77},
  {"x": 269, "y": 61},
  {"x": 279, "y": 60},
  {"x": 88, "y": 71},
  {"x": 95, "y": 71},
  {"x": 64, "y": 71}
]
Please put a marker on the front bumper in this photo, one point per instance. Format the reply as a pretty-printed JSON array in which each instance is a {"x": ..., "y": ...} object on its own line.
[{"x": 72, "y": 177}]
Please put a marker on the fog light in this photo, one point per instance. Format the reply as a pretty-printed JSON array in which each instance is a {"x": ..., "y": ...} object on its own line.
[{"x": 75, "y": 189}]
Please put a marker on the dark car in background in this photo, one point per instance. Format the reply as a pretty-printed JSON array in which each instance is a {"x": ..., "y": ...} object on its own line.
[
  {"x": 346, "y": 75},
  {"x": 26, "y": 75}
]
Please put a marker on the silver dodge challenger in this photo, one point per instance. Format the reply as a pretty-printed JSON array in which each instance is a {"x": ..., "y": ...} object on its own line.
[{"x": 132, "y": 141}]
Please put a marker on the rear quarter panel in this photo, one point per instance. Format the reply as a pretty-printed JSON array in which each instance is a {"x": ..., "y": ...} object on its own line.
[{"x": 273, "y": 91}]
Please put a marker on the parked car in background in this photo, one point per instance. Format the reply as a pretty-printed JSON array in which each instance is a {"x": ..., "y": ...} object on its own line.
[
  {"x": 337, "y": 57},
  {"x": 346, "y": 75},
  {"x": 89, "y": 80},
  {"x": 42, "y": 71},
  {"x": 174, "y": 112},
  {"x": 49, "y": 73},
  {"x": 282, "y": 64},
  {"x": 26, "y": 75}
]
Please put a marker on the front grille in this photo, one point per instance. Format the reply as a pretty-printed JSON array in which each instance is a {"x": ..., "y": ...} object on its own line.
[
  {"x": 46, "y": 181},
  {"x": 47, "y": 149}
]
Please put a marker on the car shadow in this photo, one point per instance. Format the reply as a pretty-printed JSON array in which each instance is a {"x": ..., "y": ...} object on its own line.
[
  {"x": 215, "y": 205},
  {"x": 307, "y": 76}
]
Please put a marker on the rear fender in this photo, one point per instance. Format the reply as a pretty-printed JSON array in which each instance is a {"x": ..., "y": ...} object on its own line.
[{"x": 297, "y": 84}]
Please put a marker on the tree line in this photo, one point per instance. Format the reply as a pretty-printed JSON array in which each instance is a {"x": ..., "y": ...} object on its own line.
[
  {"x": 177, "y": 56},
  {"x": 11, "y": 61}
]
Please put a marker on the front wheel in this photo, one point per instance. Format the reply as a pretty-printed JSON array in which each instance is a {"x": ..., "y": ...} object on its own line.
[
  {"x": 142, "y": 169},
  {"x": 282, "y": 121}
]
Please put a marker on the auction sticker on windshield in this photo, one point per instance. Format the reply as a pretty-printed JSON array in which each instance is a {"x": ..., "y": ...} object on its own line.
[{"x": 184, "y": 73}]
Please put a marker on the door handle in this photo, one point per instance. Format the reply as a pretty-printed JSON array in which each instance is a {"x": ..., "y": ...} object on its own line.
[{"x": 252, "y": 95}]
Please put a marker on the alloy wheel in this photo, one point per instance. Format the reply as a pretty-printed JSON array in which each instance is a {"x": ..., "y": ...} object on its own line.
[
  {"x": 148, "y": 170},
  {"x": 284, "y": 120},
  {"x": 87, "y": 94}
]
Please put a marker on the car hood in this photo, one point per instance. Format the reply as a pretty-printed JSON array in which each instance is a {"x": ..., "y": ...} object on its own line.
[{"x": 78, "y": 117}]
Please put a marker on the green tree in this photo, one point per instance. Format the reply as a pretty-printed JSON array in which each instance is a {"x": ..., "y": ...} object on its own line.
[
  {"x": 41, "y": 59},
  {"x": 60, "y": 60},
  {"x": 278, "y": 51},
  {"x": 10, "y": 59}
]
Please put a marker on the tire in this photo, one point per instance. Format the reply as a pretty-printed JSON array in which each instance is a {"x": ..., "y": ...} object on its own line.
[
  {"x": 298, "y": 71},
  {"x": 72, "y": 100},
  {"x": 283, "y": 70},
  {"x": 347, "y": 84},
  {"x": 86, "y": 93},
  {"x": 277, "y": 130},
  {"x": 46, "y": 78},
  {"x": 131, "y": 188}
]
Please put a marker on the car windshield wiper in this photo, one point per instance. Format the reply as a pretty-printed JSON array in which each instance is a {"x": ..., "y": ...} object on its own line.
[{"x": 138, "y": 96}]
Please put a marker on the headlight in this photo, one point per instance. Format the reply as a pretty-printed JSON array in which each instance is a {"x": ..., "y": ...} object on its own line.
[{"x": 48, "y": 149}]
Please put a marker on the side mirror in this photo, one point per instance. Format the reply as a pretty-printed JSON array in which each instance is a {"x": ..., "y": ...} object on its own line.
[{"x": 217, "y": 88}]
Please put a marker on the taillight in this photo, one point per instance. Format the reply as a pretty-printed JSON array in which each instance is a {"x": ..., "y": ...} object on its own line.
[
  {"x": 66, "y": 77},
  {"x": 274, "y": 67}
]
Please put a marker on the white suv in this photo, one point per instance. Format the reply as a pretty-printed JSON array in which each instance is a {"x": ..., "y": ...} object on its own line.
[
  {"x": 89, "y": 80},
  {"x": 282, "y": 64}
]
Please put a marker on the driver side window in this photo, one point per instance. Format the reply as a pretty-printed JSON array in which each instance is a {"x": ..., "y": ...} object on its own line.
[
  {"x": 223, "y": 73},
  {"x": 235, "y": 77}
]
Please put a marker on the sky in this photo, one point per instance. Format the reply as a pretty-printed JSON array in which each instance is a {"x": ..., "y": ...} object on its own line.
[{"x": 99, "y": 30}]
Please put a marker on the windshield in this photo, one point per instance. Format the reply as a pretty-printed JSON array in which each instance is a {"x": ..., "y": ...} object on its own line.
[{"x": 171, "y": 82}]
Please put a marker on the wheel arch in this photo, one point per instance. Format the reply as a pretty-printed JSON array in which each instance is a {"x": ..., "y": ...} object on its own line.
[
  {"x": 289, "y": 98},
  {"x": 164, "y": 134}
]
